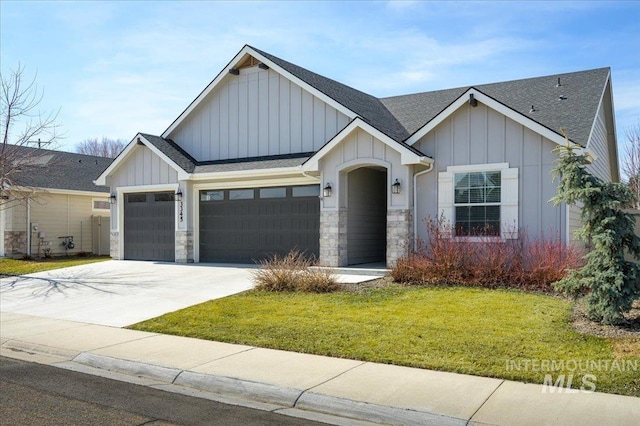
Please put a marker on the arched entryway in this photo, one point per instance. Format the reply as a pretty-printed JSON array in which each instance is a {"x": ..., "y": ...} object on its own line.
[{"x": 367, "y": 215}]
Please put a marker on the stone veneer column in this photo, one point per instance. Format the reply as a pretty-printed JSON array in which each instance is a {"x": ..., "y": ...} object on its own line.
[
  {"x": 15, "y": 243},
  {"x": 333, "y": 238},
  {"x": 114, "y": 245},
  {"x": 399, "y": 234},
  {"x": 184, "y": 246}
]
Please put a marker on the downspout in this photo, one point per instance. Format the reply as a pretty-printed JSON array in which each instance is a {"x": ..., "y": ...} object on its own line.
[
  {"x": 28, "y": 226},
  {"x": 415, "y": 204}
]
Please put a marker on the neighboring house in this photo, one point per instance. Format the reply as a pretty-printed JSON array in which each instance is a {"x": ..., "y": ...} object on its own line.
[
  {"x": 63, "y": 202},
  {"x": 271, "y": 156}
]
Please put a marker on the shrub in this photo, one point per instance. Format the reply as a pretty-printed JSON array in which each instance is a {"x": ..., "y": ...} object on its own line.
[
  {"x": 611, "y": 282},
  {"x": 531, "y": 264},
  {"x": 293, "y": 272}
]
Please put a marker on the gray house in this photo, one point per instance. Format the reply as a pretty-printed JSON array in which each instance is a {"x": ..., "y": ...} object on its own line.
[{"x": 271, "y": 156}]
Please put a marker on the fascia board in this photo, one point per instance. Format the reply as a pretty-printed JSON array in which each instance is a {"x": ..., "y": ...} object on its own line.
[
  {"x": 236, "y": 59},
  {"x": 102, "y": 179},
  {"x": 493, "y": 104},
  {"x": 240, "y": 174},
  {"x": 60, "y": 191},
  {"x": 406, "y": 155},
  {"x": 182, "y": 174},
  {"x": 210, "y": 87},
  {"x": 317, "y": 93}
]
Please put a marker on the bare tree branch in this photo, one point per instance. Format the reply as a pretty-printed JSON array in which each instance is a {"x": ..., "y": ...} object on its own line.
[
  {"x": 23, "y": 125},
  {"x": 631, "y": 161},
  {"x": 107, "y": 147}
]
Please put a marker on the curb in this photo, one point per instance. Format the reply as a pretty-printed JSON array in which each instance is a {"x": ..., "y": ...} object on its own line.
[{"x": 285, "y": 397}]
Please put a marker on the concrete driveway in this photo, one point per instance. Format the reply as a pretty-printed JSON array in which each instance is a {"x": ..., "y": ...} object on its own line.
[{"x": 120, "y": 293}]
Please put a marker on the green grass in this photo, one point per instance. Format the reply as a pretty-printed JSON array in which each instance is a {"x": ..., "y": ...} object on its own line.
[
  {"x": 23, "y": 267},
  {"x": 471, "y": 331}
]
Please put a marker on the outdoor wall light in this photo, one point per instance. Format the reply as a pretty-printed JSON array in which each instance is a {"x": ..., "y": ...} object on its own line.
[
  {"x": 326, "y": 192},
  {"x": 179, "y": 195},
  {"x": 234, "y": 71},
  {"x": 395, "y": 188},
  {"x": 112, "y": 198}
]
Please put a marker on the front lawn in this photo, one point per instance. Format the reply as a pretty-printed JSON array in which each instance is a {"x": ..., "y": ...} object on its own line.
[
  {"x": 9, "y": 267},
  {"x": 466, "y": 330}
]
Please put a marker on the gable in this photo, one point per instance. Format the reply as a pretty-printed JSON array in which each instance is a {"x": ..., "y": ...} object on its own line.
[
  {"x": 256, "y": 113},
  {"x": 142, "y": 167}
]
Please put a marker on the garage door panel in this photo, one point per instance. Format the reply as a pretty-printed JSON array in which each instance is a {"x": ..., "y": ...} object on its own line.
[
  {"x": 242, "y": 231},
  {"x": 149, "y": 226}
]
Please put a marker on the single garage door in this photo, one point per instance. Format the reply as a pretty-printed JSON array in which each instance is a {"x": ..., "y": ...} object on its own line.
[
  {"x": 246, "y": 225},
  {"x": 149, "y": 226}
]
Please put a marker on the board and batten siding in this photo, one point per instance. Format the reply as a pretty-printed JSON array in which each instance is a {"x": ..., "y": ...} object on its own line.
[
  {"x": 257, "y": 113},
  {"x": 482, "y": 135},
  {"x": 142, "y": 167},
  {"x": 598, "y": 144}
]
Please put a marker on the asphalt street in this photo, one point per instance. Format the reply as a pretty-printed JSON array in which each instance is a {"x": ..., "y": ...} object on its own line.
[{"x": 36, "y": 394}]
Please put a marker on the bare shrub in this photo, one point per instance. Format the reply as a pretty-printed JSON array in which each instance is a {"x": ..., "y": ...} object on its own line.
[
  {"x": 485, "y": 261},
  {"x": 292, "y": 272}
]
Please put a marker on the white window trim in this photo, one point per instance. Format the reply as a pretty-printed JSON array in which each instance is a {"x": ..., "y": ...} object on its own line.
[
  {"x": 106, "y": 200},
  {"x": 508, "y": 203}
]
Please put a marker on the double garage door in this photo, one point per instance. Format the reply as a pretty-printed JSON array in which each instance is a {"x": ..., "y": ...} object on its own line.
[
  {"x": 235, "y": 226},
  {"x": 246, "y": 225}
]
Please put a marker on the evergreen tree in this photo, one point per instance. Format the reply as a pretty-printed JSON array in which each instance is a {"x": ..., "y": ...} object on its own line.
[{"x": 610, "y": 282}]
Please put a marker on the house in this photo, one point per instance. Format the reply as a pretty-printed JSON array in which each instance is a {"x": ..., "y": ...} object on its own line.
[
  {"x": 53, "y": 196},
  {"x": 271, "y": 156}
]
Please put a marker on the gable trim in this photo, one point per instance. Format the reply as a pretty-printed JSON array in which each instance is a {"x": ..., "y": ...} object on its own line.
[
  {"x": 247, "y": 50},
  {"x": 408, "y": 155},
  {"x": 491, "y": 103},
  {"x": 130, "y": 149}
]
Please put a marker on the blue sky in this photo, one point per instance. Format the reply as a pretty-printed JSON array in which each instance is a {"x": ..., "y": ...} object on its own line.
[{"x": 117, "y": 68}]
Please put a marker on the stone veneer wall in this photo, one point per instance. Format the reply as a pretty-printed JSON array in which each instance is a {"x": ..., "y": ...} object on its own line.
[
  {"x": 184, "y": 246},
  {"x": 114, "y": 246},
  {"x": 15, "y": 243},
  {"x": 333, "y": 238},
  {"x": 399, "y": 234}
]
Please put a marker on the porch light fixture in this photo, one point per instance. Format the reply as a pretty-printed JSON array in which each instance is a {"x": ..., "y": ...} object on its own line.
[
  {"x": 179, "y": 195},
  {"x": 112, "y": 198},
  {"x": 234, "y": 71},
  {"x": 326, "y": 192},
  {"x": 395, "y": 188}
]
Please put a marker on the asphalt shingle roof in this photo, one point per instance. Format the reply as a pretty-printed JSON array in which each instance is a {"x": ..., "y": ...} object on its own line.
[
  {"x": 44, "y": 168},
  {"x": 368, "y": 107},
  {"x": 253, "y": 163},
  {"x": 583, "y": 91},
  {"x": 173, "y": 151},
  {"x": 400, "y": 116}
]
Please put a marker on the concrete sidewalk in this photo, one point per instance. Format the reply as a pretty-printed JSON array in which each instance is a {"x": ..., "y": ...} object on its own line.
[{"x": 338, "y": 391}]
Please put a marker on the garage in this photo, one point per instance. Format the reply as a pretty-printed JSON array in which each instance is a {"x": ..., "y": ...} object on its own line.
[
  {"x": 149, "y": 226},
  {"x": 245, "y": 225}
]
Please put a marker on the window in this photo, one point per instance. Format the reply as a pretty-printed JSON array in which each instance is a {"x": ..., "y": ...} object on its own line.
[
  {"x": 480, "y": 199},
  {"x": 241, "y": 194},
  {"x": 477, "y": 203},
  {"x": 306, "y": 191},
  {"x": 211, "y": 195},
  {"x": 165, "y": 196},
  {"x": 100, "y": 205},
  {"x": 136, "y": 198},
  {"x": 273, "y": 192}
]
